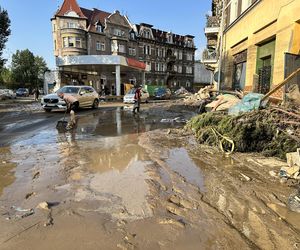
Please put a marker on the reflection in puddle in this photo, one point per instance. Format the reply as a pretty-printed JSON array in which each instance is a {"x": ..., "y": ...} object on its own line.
[
  {"x": 180, "y": 161},
  {"x": 291, "y": 217},
  {"x": 6, "y": 169}
]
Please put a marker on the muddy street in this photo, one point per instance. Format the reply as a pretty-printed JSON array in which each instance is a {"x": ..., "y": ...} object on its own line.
[{"x": 124, "y": 181}]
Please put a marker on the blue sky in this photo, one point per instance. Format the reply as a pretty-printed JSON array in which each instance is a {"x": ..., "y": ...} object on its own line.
[{"x": 31, "y": 27}]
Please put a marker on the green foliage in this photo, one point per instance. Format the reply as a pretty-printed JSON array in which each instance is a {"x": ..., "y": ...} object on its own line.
[
  {"x": 27, "y": 69},
  {"x": 4, "y": 33},
  {"x": 251, "y": 132}
]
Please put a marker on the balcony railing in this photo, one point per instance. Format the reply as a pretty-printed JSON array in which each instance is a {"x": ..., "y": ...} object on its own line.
[
  {"x": 209, "y": 56},
  {"x": 212, "y": 21},
  {"x": 212, "y": 24}
]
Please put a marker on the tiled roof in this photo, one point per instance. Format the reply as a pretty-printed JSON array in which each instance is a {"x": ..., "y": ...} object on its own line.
[
  {"x": 95, "y": 16},
  {"x": 70, "y": 5}
]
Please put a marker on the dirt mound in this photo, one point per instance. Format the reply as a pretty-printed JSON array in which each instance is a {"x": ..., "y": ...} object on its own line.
[{"x": 272, "y": 132}]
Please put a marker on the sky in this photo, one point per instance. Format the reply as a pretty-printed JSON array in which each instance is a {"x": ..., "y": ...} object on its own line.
[{"x": 31, "y": 26}]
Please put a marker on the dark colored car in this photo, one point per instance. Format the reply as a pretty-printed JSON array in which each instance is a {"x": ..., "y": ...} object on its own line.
[
  {"x": 22, "y": 92},
  {"x": 162, "y": 93}
]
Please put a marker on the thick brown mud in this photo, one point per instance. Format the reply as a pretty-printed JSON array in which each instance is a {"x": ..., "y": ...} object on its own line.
[{"x": 124, "y": 181}]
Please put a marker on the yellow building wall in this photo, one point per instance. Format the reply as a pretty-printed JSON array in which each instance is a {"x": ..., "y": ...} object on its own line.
[{"x": 285, "y": 15}]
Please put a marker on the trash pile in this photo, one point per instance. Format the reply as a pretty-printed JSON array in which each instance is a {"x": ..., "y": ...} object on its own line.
[
  {"x": 293, "y": 169},
  {"x": 182, "y": 91},
  {"x": 196, "y": 98},
  {"x": 273, "y": 131}
]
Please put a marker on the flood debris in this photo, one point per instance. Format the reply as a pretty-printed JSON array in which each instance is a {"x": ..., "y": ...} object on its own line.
[
  {"x": 36, "y": 175},
  {"x": 294, "y": 202},
  {"x": 272, "y": 131},
  {"x": 19, "y": 213},
  {"x": 173, "y": 120}
]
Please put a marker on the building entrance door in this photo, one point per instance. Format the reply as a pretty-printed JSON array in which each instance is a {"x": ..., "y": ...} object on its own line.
[{"x": 264, "y": 75}]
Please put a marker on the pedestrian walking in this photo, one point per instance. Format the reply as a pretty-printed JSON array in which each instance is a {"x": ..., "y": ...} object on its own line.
[
  {"x": 137, "y": 100},
  {"x": 36, "y": 94}
]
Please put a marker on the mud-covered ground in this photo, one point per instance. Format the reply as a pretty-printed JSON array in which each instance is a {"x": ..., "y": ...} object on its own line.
[{"x": 124, "y": 181}]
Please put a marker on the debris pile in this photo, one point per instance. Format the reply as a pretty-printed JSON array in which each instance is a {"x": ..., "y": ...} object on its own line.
[
  {"x": 196, "y": 98},
  {"x": 272, "y": 132}
]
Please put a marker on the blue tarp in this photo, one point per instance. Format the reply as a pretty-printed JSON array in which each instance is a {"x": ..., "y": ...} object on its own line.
[{"x": 250, "y": 102}]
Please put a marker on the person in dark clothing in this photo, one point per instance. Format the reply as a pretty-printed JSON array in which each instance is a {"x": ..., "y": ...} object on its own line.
[
  {"x": 36, "y": 94},
  {"x": 137, "y": 100}
]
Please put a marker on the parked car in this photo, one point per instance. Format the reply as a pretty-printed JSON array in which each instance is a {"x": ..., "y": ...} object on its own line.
[
  {"x": 9, "y": 94},
  {"x": 86, "y": 95},
  {"x": 129, "y": 97},
  {"x": 162, "y": 93},
  {"x": 2, "y": 94},
  {"x": 22, "y": 92}
]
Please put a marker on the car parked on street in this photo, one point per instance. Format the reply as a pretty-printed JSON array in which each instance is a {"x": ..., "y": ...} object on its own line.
[
  {"x": 9, "y": 94},
  {"x": 129, "y": 97},
  {"x": 22, "y": 92},
  {"x": 86, "y": 96},
  {"x": 162, "y": 93}
]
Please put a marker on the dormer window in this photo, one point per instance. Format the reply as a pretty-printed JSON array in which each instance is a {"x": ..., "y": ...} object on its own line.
[
  {"x": 170, "y": 38},
  {"x": 99, "y": 28},
  {"x": 189, "y": 43},
  {"x": 132, "y": 35},
  {"x": 147, "y": 34}
]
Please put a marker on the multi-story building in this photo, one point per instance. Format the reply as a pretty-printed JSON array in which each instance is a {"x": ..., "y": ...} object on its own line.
[
  {"x": 105, "y": 49},
  {"x": 259, "y": 39},
  {"x": 210, "y": 56}
]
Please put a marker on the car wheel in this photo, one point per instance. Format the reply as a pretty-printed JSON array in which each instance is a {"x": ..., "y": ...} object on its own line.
[
  {"x": 47, "y": 110},
  {"x": 95, "y": 104}
]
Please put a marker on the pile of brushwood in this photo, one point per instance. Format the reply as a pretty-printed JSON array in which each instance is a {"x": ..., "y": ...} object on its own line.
[{"x": 273, "y": 132}]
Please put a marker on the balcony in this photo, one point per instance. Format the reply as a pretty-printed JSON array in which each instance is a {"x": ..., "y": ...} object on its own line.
[
  {"x": 73, "y": 31},
  {"x": 212, "y": 25},
  {"x": 209, "y": 56}
]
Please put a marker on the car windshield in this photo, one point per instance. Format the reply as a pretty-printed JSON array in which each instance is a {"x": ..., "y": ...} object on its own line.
[
  {"x": 132, "y": 91},
  {"x": 69, "y": 90},
  {"x": 21, "y": 89}
]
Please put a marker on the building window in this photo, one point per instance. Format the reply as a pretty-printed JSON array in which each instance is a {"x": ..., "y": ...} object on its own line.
[
  {"x": 65, "y": 41},
  {"x": 170, "y": 39},
  {"x": 147, "y": 34},
  {"x": 176, "y": 54},
  {"x": 78, "y": 42},
  {"x": 180, "y": 55},
  {"x": 132, "y": 51},
  {"x": 163, "y": 51},
  {"x": 99, "y": 28},
  {"x": 175, "y": 68},
  {"x": 189, "y": 57},
  {"x": 147, "y": 49},
  {"x": 233, "y": 10},
  {"x": 148, "y": 64},
  {"x": 71, "y": 25},
  {"x": 117, "y": 32},
  {"x": 132, "y": 35},
  {"x": 189, "y": 70},
  {"x": 179, "y": 69},
  {"x": 122, "y": 48},
  {"x": 54, "y": 44},
  {"x": 157, "y": 67},
  {"x": 70, "y": 42},
  {"x": 246, "y": 4},
  {"x": 189, "y": 44},
  {"x": 54, "y": 27},
  {"x": 100, "y": 46}
]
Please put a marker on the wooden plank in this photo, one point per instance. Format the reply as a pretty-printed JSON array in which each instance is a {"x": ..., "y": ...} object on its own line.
[{"x": 285, "y": 81}]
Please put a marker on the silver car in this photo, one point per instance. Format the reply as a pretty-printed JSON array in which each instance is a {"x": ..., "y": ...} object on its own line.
[
  {"x": 86, "y": 96},
  {"x": 129, "y": 97}
]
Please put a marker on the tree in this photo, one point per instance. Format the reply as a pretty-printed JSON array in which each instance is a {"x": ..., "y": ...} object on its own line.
[
  {"x": 4, "y": 33},
  {"x": 27, "y": 69},
  {"x": 6, "y": 78}
]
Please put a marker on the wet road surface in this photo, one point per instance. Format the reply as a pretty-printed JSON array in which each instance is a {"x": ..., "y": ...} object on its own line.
[{"x": 124, "y": 181}]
